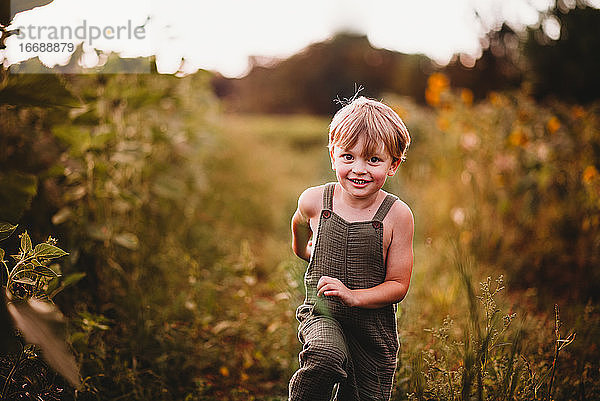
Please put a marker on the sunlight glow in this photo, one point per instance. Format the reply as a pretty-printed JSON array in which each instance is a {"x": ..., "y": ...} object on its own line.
[{"x": 221, "y": 35}]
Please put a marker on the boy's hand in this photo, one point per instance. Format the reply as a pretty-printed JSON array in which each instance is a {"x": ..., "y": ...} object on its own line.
[{"x": 332, "y": 287}]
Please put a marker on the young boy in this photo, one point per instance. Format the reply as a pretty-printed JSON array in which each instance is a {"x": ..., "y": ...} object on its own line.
[{"x": 358, "y": 241}]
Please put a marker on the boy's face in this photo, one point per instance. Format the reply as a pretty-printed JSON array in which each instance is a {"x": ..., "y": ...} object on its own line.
[{"x": 360, "y": 175}]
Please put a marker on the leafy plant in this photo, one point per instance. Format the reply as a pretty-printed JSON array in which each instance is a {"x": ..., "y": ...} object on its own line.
[
  {"x": 487, "y": 361},
  {"x": 30, "y": 286}
]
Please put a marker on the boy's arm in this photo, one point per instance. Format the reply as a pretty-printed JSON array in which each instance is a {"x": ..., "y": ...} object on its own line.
[
  {"x": 301, "y": 232},
  {"x": 399, "y": 263}
]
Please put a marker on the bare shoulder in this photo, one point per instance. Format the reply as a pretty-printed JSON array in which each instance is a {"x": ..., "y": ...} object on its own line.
[
  {"x": 310, "y": 201},
  {"x": 401, "y": 217}
]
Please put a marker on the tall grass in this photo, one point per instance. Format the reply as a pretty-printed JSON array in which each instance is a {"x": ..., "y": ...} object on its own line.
[{"x": 484, "y": 353}]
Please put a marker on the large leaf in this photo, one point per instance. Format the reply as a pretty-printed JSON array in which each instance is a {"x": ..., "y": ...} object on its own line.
[
  {"x": 6, "y": 230},
  {"x": 26, "y": 245},
  {"x": 45, "y": 271},
  {"x": 16, "y": 192},
  {"x": 47, "y": 251},
  {"x": 42, "y": 324}
]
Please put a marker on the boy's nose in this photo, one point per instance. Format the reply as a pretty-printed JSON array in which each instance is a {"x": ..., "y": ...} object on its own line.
[{"x": 359, "y": 168}]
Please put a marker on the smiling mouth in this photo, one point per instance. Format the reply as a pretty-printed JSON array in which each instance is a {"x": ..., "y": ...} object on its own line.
[{"x": 359, "y": 182}]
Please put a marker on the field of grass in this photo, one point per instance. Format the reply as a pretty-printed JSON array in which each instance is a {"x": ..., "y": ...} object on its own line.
[{"x": 179, "y": 214}]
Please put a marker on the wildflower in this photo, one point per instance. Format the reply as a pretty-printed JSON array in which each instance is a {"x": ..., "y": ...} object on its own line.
[
  {"x": 495, "y": 98},
  {"x": 432, "y": 97},
  {"x": 589, "y": 174},
  {"x": 458, "y": 216},
  {"x": 469, "y": 141},
  {"x": 542, "y": 151},
  {"x": 190, "y": 305},
  {"x": 467, "y": 96},
  {"x": 517, "y": 137},
  {"x": 553, "y": 125},
  {"x": 437, "y": 83}
]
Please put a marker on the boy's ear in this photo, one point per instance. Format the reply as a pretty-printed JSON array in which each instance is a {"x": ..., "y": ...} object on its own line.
[{"x": 394, "y": 167}]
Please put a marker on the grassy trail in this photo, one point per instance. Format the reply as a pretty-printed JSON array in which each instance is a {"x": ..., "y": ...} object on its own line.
[{"x": 271, "y": 160}]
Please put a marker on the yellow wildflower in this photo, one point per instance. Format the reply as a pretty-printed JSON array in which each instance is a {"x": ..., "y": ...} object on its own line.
[
  {"x": 553, "y": 125},
  {"x": 438, "y": 81},
  {"x": 589, "y": 174},
  {"x": 432, "y": 97},
  {"x": 436, "y": 84},
  {"x": 517, "y": 137},
  {"x": 467, "y": 96},
  {"x": 495, "y": 98}
]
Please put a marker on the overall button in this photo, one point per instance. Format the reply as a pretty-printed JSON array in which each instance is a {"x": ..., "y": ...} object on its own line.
[
  {"x": 326, "y": 214},
  {"x": 377, "y": 225}
]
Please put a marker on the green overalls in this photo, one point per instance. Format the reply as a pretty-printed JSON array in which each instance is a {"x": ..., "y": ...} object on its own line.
[{"x": 354, "y": 347}]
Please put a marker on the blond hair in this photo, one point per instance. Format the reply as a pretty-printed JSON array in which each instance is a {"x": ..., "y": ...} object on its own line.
[{"x": 374, "y": 121}]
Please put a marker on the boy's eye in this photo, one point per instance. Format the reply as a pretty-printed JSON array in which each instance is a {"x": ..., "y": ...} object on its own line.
[
  {"x": 374, "y": 159},
  {"x": 347, "y": 157}
]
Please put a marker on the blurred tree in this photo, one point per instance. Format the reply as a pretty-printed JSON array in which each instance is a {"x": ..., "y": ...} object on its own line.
[
  {"x": 500, "y": 67},
  {"x": 568, "y": 67},
  {"x": 310, "y": 80}
]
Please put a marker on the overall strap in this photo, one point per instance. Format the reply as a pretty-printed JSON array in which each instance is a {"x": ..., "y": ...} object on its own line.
[
  {"x": 328, "y": 196},
  {"x": 385, "y": 207}
]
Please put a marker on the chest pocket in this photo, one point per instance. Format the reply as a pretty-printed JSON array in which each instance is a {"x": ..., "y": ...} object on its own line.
[{"x": 364, "y": 255}]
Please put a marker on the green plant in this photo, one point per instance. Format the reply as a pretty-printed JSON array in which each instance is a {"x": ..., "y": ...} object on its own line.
[
  {"x": 487, "y": 358},
  {"x": 29, "y": 288},
  {"x": 32, "y": 276}
]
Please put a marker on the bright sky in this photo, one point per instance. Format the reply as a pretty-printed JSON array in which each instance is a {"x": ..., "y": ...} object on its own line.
[{"x": 221, "y": 34}]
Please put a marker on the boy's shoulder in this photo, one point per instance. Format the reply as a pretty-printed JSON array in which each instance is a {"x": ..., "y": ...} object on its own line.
[
  {"x": 310, "y": 201},
  {"x": 401, "y": 213}
]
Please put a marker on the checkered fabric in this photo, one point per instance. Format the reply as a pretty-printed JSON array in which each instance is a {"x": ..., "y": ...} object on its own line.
[{"x": 354, "y": 348}]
